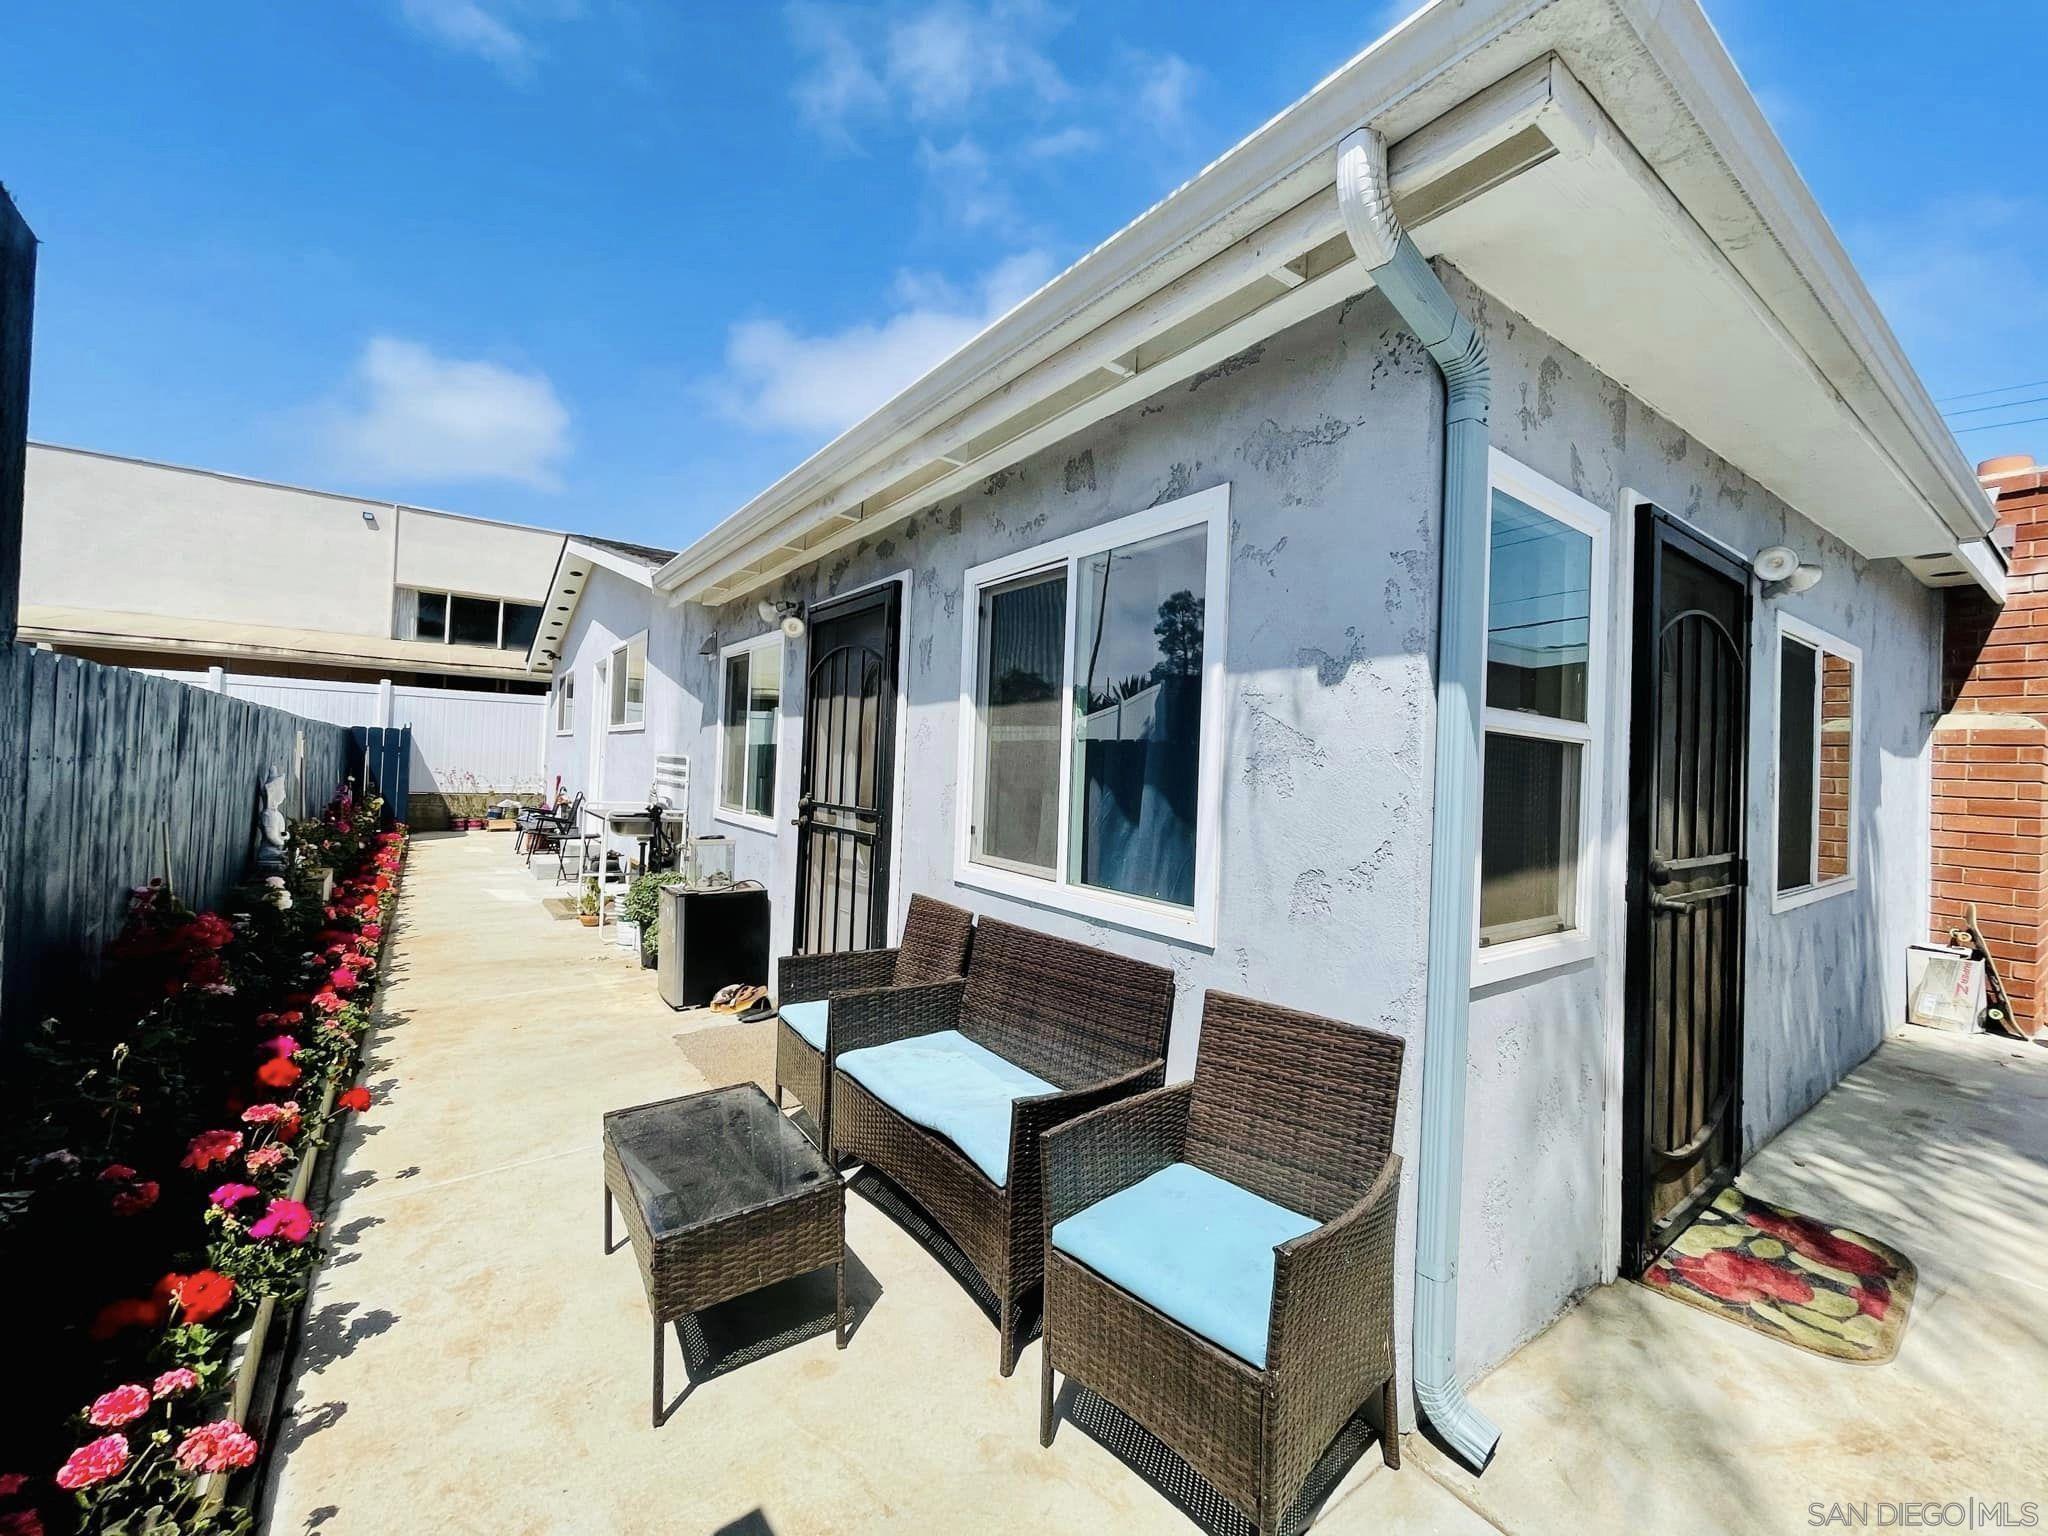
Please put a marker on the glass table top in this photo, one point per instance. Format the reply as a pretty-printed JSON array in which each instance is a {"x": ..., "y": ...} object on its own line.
[{"x": 707, "y": 1156}]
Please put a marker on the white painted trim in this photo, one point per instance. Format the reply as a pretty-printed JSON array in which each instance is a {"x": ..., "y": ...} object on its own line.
[
  {"x": 614, "y": 656},
  {"x": 1493, "y": 964},
  {"x": 1613, "y": 968},
  {"x": 719, "y": 810},
  {"x": 564, "y": 680},
  {"x": 1821, "y": 641},
  {"x": 1196, "y": 924}
]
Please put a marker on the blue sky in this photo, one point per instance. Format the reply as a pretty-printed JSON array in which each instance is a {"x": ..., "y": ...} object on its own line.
[{"x": 614, "y": 265}]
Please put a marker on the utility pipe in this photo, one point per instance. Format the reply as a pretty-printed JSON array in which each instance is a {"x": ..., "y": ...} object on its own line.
[{"x": 1401, "y": 272}]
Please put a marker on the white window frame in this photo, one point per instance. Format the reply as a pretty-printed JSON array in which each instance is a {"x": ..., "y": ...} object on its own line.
[
  {"x": 719, "y": 810},
  {"x": 1791, "y": 628},
  {"x": 448, "y": 597},
  {"x": 564, "y": 704},
  {"x": 1493, "y": 963},
  {"x": 1196, "y": 924},
  {"x": 619, "y": 658}
]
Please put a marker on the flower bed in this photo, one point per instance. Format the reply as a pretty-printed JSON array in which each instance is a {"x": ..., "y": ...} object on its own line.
[{"x": 157, "y": 1147}]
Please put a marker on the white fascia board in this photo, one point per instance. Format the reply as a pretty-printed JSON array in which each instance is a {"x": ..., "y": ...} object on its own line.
[{"x": 1750, "y": 198}]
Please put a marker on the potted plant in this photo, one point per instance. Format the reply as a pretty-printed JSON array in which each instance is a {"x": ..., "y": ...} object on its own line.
[
  {"x": 586, "y": 910},
  {"x": 642, "y": 908}
]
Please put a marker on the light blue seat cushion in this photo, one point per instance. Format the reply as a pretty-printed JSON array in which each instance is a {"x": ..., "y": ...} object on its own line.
[
  {"x": 947, "y": 1083},
  {"x": 1196, "y": 1247},
  {"x": 808, "y": 1020}
]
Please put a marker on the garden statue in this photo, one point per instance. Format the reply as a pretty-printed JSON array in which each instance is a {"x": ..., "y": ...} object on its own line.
[{"x": 270, "y": 826}]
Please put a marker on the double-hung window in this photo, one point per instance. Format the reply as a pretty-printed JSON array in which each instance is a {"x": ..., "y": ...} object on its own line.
[
  {"x": 1546, "y": 579},
  {"x": 565, "y": 704},
  {"x": 1092, "y": 720},
  {"x": 750, "y": 707},
  {"x": 629, "y": 685},
  {"x": 1816, "y": 764}
]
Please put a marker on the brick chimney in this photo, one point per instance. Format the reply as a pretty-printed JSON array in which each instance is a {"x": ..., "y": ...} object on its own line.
[{"x": 1990, "y": 828}]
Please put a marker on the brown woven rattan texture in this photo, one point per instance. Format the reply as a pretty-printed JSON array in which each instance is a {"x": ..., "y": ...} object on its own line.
[
  {"x": 936, "y": 940},
  {"x": 1299, "y": 1109},
  {"x": 1092, "y": 1023}
]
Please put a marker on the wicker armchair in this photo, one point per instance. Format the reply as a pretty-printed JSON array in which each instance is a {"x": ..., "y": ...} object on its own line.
[
  {"x": 1091, "y": 1023},
  {"x": 936, "y": 937},
  {"x": 1297, "y": 1110}
]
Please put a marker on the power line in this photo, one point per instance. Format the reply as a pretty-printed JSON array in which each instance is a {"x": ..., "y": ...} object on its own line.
[
  {"x": 1992, "y": 426},
  {"x": 2003, "y": 405},
  {"x": 1978, "y": 394}
]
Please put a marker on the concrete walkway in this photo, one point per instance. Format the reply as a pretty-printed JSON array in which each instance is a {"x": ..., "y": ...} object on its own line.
[
  {"x": 1639, "y": 1413},
  {"x": 473, "y": 1363}
]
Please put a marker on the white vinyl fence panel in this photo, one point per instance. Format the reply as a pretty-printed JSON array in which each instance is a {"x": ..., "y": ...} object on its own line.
[{"x": 462, "y": 742}]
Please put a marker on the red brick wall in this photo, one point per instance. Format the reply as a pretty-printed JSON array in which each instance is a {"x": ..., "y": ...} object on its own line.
[
  {"x": 1990, "y": 829},
  {"x": 1837, "y": 681}
]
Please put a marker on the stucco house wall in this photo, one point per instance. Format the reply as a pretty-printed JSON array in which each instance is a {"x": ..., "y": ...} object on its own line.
[
  {"x": 614, "y": 608},
  {"x": 1329, "y": 436}
]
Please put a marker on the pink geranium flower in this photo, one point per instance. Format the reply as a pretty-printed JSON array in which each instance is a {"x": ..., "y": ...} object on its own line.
[
  {"x": 210, "y": 1147},
  {"x": 266, "y": 1114},
  {"x": 328, "y": 1001},
  {"x": 265, "y": 1158},
  {"x": 230, "y": 1195},
  {"x": 281, "y": 1045},
  {"x": 286, "y": 1219},
  {"x": 220, "y": 1447},
  {"x": 93, "y": 1463},
  {"x": 174, "y": 1383},
  {"x": 343, "y": 979},
  {"x": 123, "y": 1405}
]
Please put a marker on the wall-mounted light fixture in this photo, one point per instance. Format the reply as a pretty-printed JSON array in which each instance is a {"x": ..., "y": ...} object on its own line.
[
  {"x": 1782, "y": 572},
  {"x": 710, "y": 645},
  {"x": 788, "y": 616}
]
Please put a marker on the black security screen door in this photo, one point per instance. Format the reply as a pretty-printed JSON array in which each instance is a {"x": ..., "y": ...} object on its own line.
[
  {"x": 848, "y": 779},
  {"x": 1687, "y": 875}
]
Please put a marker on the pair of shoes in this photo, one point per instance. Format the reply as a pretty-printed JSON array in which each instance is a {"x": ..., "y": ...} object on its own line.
[{"x": 738, "y": 997}]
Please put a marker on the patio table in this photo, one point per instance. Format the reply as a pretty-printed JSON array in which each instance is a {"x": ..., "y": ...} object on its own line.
[{"x": 722, "y": 1195}]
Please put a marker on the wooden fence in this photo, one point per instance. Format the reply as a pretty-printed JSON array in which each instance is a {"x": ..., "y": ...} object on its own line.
[{"x": 109, "y": 777}]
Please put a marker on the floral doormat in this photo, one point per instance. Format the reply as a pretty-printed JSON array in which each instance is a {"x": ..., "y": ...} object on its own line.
[{"x": 1835, "y": 1292}]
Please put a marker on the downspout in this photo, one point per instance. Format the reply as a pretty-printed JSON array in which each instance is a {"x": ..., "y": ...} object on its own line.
[{"x": 1400, "y": 272}]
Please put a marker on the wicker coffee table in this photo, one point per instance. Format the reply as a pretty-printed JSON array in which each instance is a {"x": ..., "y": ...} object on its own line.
[{"x": 722, "y": 1195}]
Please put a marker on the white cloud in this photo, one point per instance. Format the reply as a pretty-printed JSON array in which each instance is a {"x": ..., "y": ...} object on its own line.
[
  {"x": 930, "y": 63},
  {"x": 1165, "y": 88},
  {"x": 1065, "y": 141},
  {"x": 411, "y": 415},
  {"x": 498, "y": 31},
  {"x": 781, "y": 379},
  {"x": 964, "y": 181},
  {"x": 471, "y": 26}
]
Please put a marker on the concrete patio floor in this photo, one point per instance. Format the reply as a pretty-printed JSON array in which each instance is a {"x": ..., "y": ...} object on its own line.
[{"x": 473, "y": 1362}]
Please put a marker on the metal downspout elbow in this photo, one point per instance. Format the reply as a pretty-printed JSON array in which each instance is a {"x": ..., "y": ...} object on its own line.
[{"x": 1401, "y": 272}]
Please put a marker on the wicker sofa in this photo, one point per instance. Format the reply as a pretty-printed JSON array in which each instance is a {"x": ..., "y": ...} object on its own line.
[
  {"x": 1220, "y": 1254},
  {"x": 946, "y": 1088},
  {"x": 936, "y": 938}
]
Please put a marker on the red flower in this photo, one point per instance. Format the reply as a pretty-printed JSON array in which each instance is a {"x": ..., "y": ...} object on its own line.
[
  {"x": 11, "y": 1483},
  {"x": 357, "y": 1098},
  {"x": 22, "y": 1522},
  {"x": 123, "y": 1405},
  {"x": 210, "y": 1147},
  {"x": 116, "y": 1173},
  {"x": 278, "y": 1072},
  {"x": 286, "y": 1219},
  {"x": 221, "y": 1447},
  {"x": 94, "y": 1463},
  {"x": 136, "y": 1198},
  {"x": 133, "y": 1312},
  {"x": 202, "y": 1295}
]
